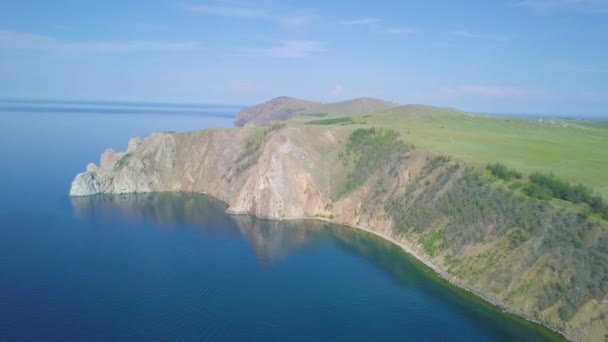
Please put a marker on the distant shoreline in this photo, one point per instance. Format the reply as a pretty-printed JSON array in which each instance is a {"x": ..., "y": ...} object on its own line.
[
  {"x": 567, "y": 117},
  {"x": 203, "y": 109}
]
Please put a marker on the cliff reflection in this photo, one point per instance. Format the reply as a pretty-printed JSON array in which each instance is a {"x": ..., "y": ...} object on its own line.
[{"x": 269, "y": 240}]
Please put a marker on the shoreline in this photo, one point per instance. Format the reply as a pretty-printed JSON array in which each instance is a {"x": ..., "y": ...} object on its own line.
[
  {"x": 425, "y": 261},
  {"x": 451, "y": 280},
  {"x": 404, "y": 247}
]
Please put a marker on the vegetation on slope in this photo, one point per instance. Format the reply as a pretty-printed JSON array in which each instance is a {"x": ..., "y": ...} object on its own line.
[
  {"x": 483, "y": 225},
  {"x": 544, "y": 186},
  {"x": 573, "y": 150},
  {"x": 368, "y": 150},
  {"x": 332, "y": 121},
  {"x": 315, "y": 115},
  {"x": 547, "y": 186},
  {"x": 250, "y": 154},
  {"x": 459, "y": 211},
  {"x": 501, "y": 171}
]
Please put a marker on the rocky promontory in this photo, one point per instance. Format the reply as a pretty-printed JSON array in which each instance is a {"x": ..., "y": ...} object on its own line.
[{"x": 521, "y": 254}]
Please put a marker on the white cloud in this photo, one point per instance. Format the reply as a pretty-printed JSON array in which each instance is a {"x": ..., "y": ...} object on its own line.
[
  {"x": 296, "y": 21},
  {"x": 244, "y": 10},
  {"x": 374, "y": 25},
  {"x": 337, "y": 90},
  {"x": 546, "y": 6},
  {"x": 480, "y": 36},
  {"x": 288, "y": 50},
  {"x": 396, "y": 30},
  {"x": 229, "y": 11},
  {"x": 15, "y": 41},
  {"x": 360, "y": 21}
]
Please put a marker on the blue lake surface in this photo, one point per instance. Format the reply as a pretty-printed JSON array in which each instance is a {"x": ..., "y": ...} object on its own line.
[{"x": 176, "y": 267}]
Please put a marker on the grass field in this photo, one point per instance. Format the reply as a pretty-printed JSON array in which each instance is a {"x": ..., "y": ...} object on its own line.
[{"x": 576, "y": 151}]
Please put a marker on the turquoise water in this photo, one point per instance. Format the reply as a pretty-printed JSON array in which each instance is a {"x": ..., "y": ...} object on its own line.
[{"x": 176, "y": 267}]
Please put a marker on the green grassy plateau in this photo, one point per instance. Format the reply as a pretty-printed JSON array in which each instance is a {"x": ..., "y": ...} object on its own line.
[{"x": 573, "y": 150}]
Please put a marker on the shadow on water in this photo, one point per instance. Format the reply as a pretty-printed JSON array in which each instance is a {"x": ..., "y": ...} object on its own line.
[{"x": 271, "y": 241}]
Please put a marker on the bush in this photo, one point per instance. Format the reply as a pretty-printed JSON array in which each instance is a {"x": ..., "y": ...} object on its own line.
[
  {"x": 536, "y": 191},
  {"x": 274, "y": 127},
  {"x": 501, "y": 171},
  {"x": 344, "y": 120},
  {"x": 546, "y": 186}
]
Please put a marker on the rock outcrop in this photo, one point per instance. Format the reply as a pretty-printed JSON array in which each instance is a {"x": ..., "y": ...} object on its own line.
[{"x": 281, "y": 184}]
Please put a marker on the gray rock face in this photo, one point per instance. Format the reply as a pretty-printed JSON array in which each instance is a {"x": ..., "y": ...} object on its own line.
[
  {"x": 138, "y": 170},
  {"x": 86, "y": 184},
  {"x": 134, "y": 143}
]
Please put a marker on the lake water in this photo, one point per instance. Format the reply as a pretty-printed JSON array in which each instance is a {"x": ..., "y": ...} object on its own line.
[{"x": 176, "y": 267}]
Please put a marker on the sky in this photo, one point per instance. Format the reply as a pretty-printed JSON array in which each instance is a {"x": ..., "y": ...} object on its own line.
[{"x": 499, "y": 56}]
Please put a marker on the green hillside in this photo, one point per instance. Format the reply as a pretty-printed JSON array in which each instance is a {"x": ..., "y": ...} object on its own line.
[{"x": 576, "y": 151}]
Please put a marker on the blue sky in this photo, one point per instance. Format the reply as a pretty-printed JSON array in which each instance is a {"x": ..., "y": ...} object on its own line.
[{"x": 510, "y": 56}]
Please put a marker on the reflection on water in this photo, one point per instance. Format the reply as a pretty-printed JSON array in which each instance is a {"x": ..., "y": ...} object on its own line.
[
  {"x": 273, "y": 241},
  {"x": 270, "y": 240}
]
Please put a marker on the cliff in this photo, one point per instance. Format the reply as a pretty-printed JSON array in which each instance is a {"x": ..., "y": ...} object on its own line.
[{"x": 543, "y": 261}]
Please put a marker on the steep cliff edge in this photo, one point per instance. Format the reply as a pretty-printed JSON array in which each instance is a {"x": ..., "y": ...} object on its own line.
[{"x": 534, "y": 258}]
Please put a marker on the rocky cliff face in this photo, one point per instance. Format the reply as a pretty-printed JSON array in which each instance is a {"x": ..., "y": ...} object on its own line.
[
  {"x": 276, "y": 180},
  {"x": 474, "y": 233}
]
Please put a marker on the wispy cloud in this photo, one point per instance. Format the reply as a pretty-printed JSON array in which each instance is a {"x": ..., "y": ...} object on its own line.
[
  {"x": 375, "y": 25},
  {"x": 288, "y": 50},
  {"x": 547, "y": 6},
  {"x": 16, "y": 41},
  {"x": 229, "y": 11},
  {"x": 360, "y": 21},
  {"x": 480, "y": 36},
  {"x": 395, "y": 30},
  {"x": 294, "y": 19}
]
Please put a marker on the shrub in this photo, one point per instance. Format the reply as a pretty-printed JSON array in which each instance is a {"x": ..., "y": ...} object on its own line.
[
  {"x": 275, "y": 127},
  {"x": 501, "y": 171},
  {"x": 344, "y": 120},
  {"x": 545, "y": 186}
]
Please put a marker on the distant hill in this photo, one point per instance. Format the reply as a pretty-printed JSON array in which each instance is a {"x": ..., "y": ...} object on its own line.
[
  {"x": 283, "y": 108},
  {"x": 424, "y": 110}
]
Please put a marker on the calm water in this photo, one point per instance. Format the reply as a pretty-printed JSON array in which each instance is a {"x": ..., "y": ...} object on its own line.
[{"x": 175, "y": 267}]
